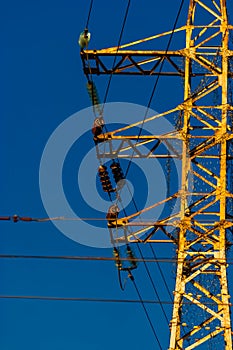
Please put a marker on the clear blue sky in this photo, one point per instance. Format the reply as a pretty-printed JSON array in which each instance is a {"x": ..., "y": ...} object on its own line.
[{"x": 42, "y": 85}]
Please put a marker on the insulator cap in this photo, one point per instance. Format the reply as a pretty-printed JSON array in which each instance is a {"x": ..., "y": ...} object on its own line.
[
  {"x": 84, "y": 38},
  {"x": 102, "y": 168},
  {"x": 15, "y": 218},
  {"x": 113, "y": 212},
  {"x": 98, "y": 126}
]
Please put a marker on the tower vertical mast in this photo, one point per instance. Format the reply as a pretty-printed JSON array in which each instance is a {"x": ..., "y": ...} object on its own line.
[{"x": 193, "y": 263}]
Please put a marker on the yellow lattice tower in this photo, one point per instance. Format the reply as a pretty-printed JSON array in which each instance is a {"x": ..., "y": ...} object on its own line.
[{"x": 205, "y": 131}]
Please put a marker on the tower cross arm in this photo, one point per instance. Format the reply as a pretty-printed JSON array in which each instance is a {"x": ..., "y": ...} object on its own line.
[{"x": 136, "y": 62}]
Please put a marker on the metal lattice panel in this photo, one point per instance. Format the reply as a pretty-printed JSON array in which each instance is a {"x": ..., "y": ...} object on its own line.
[{"x": 202, "y": 141}]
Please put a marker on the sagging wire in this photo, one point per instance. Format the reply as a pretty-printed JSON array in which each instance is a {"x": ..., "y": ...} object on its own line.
[
  {"x": 117, "y": 172},
  {"x": 113, "y": 217},
  {"x": 140, "y": 131},
  {"x": 99, "y": 124},
  {"x": 84, "y": 37},
  {"x": 89, "y": 13},
  {"x": 110, "y": 78},
  {"x": 161, "y": 271},
  {"x": 133, "y": 266},
  {"x": 155, "y": 85},
  {"x": 153, "y": 284},
  {"x": 95, "y": 300},
  {"x": 116, "y": 166},
  {"x": 100, "y": 258},
  {"x": 16, "y": 218},
  {"x": 115, "y": 57},
  {"x": 114, "y": 61},
  {"x": 131, "y": 262},
  {"x": 144, "y": 308}
]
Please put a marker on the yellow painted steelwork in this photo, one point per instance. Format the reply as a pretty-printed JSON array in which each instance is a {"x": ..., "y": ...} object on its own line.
[{"x": 205, "y": 131}]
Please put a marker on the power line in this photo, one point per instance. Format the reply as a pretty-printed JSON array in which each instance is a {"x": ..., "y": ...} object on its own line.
[
  {"x": 115, "y": 57},
  {"x": 114, "y": 61},
  {"x": 161, "y": 271},
  {"x": 105, "y": 98},
  {"x": 148, "y": 222},
  {"x": 145, "y": 310},
  {"x": 130, "y": 161},
  {"x": 89, "y": 13},
  {"x": 156, "y": 83},
  {"x": 96, "y": 300},
  {"x": 82, "y": 258},
  {"x": 153, "y": 284},
  {"x": 98, "y": 258}
]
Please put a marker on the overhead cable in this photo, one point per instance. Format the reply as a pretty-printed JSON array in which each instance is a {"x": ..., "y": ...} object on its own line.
[
  {"x": 115, "y": 57},
  {"x": 145, "y": 310},
  {"x": 89, "y": 13},
  {"x": 96, "y": 300},
  {"x": 101, "y": 258},
  {"x": 156, "y": 83}
]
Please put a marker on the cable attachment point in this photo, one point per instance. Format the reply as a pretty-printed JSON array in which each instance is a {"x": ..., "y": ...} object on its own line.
[
  {"x": 97, "y": 129},
  {"x": 112, "y": 216},
  {"x": 17, "y": 218},
  {"x": 84, "y": 39},
  {"x": 130, "y": 275}
]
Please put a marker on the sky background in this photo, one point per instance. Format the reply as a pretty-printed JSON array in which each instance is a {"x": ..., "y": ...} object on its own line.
[{"x": 43, "y": 84}]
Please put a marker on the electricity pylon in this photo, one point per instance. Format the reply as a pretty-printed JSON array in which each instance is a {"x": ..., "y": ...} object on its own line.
[{"x": 201, "y": 309}]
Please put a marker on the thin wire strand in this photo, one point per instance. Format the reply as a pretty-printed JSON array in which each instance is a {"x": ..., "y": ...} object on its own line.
[
  {"x": 160, "y": 270},
  {"x": 155, "y": 85},
  {"x": 95, "y": 300},
  {"x": 130, "y": 161},
  {"x": 115, "y": 57},
  {"x": 148, "y": 222},
  {"x": 89, "y": 13},
  {"x": 153, "y": 284},
  {"x": 100, "y": 258},
  {"x": 145, "y": 310}
]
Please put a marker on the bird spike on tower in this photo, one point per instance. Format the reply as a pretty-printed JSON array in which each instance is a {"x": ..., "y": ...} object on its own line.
[{"x": 201, "y": 308}]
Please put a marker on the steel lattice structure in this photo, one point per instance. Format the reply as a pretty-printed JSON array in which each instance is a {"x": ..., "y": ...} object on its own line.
[{"x": 204, "y": 129}]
